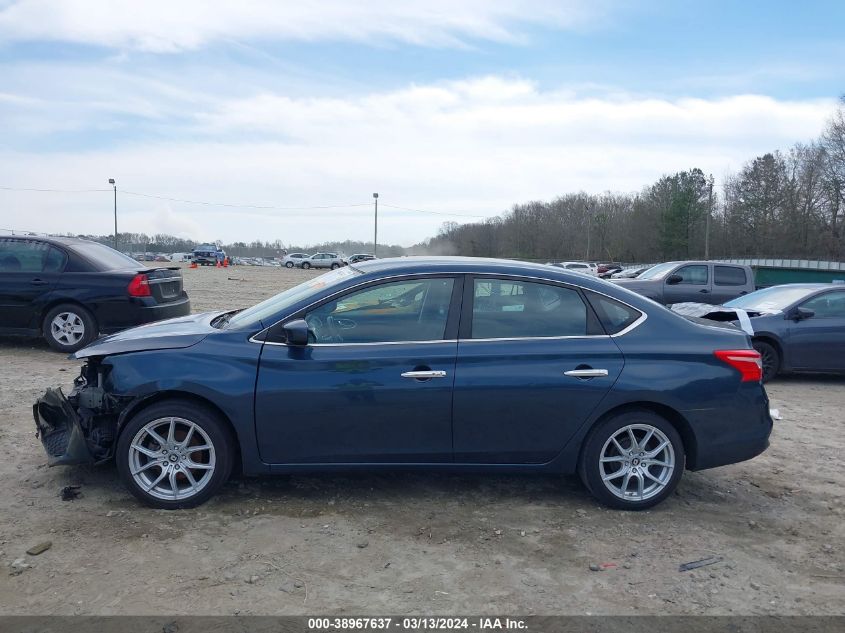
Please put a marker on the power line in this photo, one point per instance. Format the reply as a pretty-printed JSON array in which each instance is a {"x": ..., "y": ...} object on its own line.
[{"x": 246, "y": 205}]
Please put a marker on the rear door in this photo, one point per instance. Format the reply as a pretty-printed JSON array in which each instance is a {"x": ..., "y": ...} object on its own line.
[
  {"x": 29, "y": 269},
  {"x": 729, "y": 282},
  {"x": 818, "y": 343},
  {"x": 694, "y": 285},
  {"x": 533, "y": 363}
]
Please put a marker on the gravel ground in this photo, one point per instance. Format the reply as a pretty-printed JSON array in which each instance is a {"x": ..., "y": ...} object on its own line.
[{"x": 421, "y": 543}]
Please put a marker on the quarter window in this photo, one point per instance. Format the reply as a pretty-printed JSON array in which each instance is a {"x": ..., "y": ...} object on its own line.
[
  {"x": 614, "y": 315},
  {"x": 415, "y": 310},
  {"x": 729, "y": 276},
  {"x": 694, "y": 275},
  {"x": 504, "y": 308}
]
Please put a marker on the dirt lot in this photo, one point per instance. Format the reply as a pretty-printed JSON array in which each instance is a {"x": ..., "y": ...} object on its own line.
[{"x": 421, "y": 543}]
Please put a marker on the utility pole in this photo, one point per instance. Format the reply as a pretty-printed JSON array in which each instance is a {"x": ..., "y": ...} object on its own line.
[
  {"x": 707, "y": 220},
  {"x": 375, "y": 229},
  {"x": 589, "y": 223},
  {"x": 112, "y": 183}
]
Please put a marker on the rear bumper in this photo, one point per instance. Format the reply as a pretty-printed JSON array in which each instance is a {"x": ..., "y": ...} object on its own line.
[
  {"x": 731, "y": 434},
  {"x": 58, "y": 427},
  {"x": 141, "y": 314}
]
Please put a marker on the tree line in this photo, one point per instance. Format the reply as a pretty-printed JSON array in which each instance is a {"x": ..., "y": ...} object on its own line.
[{"x": 783, "y": 204}]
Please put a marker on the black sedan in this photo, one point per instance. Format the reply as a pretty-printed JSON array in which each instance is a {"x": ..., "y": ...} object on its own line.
[
  {"x": 453, "y": 363},
  {"x": 795, "y": 327},
  {"x": 71, "y": 290}
]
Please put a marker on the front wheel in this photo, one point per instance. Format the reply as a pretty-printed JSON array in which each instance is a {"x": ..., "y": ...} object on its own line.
[
  {"x": 633, "y": 460},
  {"x": 334, "y": 266},
  {"x": 769, "y": 358},
  {"x": 174, "y": 454},
  {"x": 306, "y": 265}
]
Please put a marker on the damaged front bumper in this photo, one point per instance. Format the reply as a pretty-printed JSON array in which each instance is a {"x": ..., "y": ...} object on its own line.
[
  {"x": 80, "y": 428},
  {"x": 59, "y": 428}
]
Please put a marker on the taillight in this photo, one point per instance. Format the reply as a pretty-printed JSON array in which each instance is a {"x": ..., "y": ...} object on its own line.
[
  {"x": 139, "y": 286},
  {"x": 747, "y": 361}
]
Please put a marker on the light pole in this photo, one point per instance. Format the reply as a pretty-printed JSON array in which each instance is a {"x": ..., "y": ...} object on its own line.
[
  {"x": 112, "y": 183},
  {"x": 707, "y": 220},
  {"x": 375, "y": 228}
]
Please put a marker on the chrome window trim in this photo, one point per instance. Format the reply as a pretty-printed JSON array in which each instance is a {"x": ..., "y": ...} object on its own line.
[{"x": 634, "y": 325}]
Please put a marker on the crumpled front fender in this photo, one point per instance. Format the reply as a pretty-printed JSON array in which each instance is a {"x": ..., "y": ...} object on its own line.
[{"x": 58, "y": 427}]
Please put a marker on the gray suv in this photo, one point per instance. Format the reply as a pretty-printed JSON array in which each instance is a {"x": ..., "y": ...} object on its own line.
[
  {"x": 695, "y": 281},
  {"x": 321, "y": 260}
]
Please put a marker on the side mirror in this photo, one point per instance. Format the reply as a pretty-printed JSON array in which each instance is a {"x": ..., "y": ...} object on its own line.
[
  {"x": 799, "y": 314},
  {"x": 296, "y": 332},
  {"x": 674, "y": 279}
]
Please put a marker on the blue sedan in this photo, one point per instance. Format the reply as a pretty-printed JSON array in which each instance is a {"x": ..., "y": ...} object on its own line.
[{"x": 442, "y": 363}]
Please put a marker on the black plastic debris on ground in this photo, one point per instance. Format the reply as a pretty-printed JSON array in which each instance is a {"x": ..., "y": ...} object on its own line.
[
  {"x": 69, "y": 493},
  {"x": 710, "y": 560}
]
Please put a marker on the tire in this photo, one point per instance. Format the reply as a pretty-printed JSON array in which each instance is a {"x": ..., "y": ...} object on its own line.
[
  {"x": 306, "y": 265},
  {"x": 163, "y": 466},
  {"x": 69, "y": 327},
  {"x": 333, "y": 266},
  {"x": 770, "y": 358},
  {"x": 667, "y": 466},
  {"x": 288, "y": 264}
]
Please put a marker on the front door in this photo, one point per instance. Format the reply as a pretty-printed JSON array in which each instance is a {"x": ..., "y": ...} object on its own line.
[
  {"x": 818, "y": 343},
  {"x": 373, "y": 386},
  {"x": 532, "y": 365},
  {"x": 694, "y": 285}
]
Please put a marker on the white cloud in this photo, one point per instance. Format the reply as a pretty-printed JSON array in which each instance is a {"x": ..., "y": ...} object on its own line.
[
  {"x": 167, "y": 26},
  {"x": 475, "y": 147}
]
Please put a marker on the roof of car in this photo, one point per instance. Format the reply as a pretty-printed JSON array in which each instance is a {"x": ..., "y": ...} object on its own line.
[
  {"x": 51, "y": 239},
  {"x": 459, "y": 264}
]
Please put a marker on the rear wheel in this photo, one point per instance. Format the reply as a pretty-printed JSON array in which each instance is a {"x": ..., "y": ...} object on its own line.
[
  {"x": 288, "y": 264},
  {"x": 69, "y": 327},
  {"x": 770, "y": 359},
  {"x": 306, "y": 265},
  {"x": 632, "y": 460},
  {"x": 174, "y": 454}
]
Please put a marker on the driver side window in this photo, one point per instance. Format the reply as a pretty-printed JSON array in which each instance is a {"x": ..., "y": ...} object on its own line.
[
  {"x": 414, "y": 310},
  {"x": 827, "y": 305},
  {"x": 693, "y": 275}
]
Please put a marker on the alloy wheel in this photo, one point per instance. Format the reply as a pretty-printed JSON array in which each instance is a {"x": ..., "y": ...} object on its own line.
[
  {"x": 637, "y": 462},
  {"x": 67, "y": 328},
  {"x": 172, "y": 458}
]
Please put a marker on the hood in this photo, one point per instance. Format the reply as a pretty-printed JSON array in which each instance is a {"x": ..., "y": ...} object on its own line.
[{"x": 168, "y": 334}]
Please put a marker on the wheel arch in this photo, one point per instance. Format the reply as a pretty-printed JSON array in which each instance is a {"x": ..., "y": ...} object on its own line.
[
  {"x": 57, "y": 301},
  {"x": 673, "y": 416},
  {"x": 774, "y": 341},
  {"x": 137, "y": 406}
]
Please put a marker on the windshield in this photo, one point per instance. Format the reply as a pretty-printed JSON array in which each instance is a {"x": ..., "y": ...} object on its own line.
[
  {"x": 769, "y": 299},
  {"x": 659, "y": 271},
  {"x": 104, "y": 256},
  {"x": 256, "y": 315}
]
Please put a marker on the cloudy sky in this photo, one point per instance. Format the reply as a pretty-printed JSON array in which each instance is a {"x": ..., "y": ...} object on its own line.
[{"x": 289, "y": 114}]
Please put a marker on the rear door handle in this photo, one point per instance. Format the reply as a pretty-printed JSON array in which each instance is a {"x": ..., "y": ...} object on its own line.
[
  {"x": 586, "y": 373},
  {"x": 704, "y": 290},
  {"x": 424, "y": 375},
  {"x": 39, "y": 282}
]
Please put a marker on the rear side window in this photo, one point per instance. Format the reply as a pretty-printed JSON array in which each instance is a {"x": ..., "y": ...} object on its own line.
[
  {"x": 104, "y": 257},
  {"x": 504, "y": 308},
  {"x": 614, "y": 315},
  {"x": 729, "y": 276},
  {"x": 30, "y": 256}
]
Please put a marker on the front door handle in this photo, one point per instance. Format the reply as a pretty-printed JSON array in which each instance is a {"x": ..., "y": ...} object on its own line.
[
  {"x": 424, "y": 375},
  {"x": 704, "y": 290},
  {"x": 39, "y": 282},
  {"x": 586, "y": 373}
]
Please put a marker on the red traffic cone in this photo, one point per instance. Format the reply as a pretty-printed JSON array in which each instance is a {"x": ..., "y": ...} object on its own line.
[
  {"x": 225, "y": 262},
  {"x": 219, "y": 265}
]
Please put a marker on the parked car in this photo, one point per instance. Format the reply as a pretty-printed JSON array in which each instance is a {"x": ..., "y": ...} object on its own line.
[
  {"x": 630, "y": 273},
  {"x": 359, "y": 257},
  {"x": 321, "y": 260},
  {"x": 292, "y": 259},
  {"x": 578, "y": 267},
  {"x": 208, "y": 254},
  {"x": 71, "y": 290},
  {"x": 795, "y": 327},
  {"x": 607, "y": 270},
  {"x": 705, "y": 282},
  {"x": 452, "y": 363}
]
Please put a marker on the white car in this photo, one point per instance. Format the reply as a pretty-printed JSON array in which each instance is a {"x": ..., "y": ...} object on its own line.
[
  {"x": 294, "y": 259},
  {"x": 579, "y": 267},
  {"x": 321, "y": 260}
]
